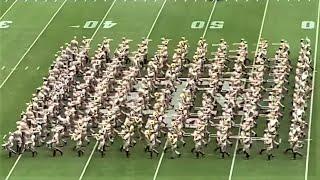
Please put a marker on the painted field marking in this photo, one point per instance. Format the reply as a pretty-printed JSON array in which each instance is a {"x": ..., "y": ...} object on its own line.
[
  {"x": 162, "y": 154},
  {"x": 159, "y": 163},
  {"x": 34, "y": 42},
  {"x": 103, "y": 19},
  {"x": 90, "y": 157},
  {"x": 27, "y": 67},
  {"x": 8, "y": 9},
  {"x": 14, "y": 165},
  {"x": 312, "y": 94},
  {"x": 88, "y": 161},
  {"x": 93, "y": 35},
  {"x": 151, "y": 29},
  {"x": 3, "y": 67},
  {"x": 15, "y": 67},
  {"x": 209, "y": 19},
  {"x": 154, "y": 23},
  {"x": 237, "y": 143}
]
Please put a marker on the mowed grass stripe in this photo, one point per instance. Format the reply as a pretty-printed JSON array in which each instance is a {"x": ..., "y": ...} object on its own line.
[
  {"x": 288, "y": 27},
  {"x": 23, "y": 83},
  {"x": 136, "y": 19}
]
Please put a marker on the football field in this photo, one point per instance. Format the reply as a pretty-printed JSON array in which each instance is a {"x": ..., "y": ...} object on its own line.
[{"x": 32, "y": 31}]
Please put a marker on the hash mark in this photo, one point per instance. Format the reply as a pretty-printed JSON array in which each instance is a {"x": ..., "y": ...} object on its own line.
[
  {"x": 3, "y": 67},
  {"x": 27, "y": 67},
  {"x": 38, "y": 67}
]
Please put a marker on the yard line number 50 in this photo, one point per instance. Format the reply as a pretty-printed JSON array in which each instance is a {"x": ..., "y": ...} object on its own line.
[
  {"x": 201, "y": 24},
  {"x": 219, "y": 24}
]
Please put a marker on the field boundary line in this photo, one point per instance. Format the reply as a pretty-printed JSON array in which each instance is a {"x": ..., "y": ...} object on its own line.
[
  {"x": 209, "y": 19},
  {"x": 312, "y": 94},
  {"x": 34, "y": 42},
  {"x": 8, "y": 9},
  {"x": 237, "y": 143}
]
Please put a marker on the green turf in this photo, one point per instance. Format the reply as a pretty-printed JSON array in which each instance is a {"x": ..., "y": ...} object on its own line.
[{"x": 135, "y": 18}]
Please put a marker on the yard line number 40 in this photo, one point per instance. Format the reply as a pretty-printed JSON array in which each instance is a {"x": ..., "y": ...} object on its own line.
[
  {"x": 93, "y": 24},
  {"x": 194, "y": 25}
]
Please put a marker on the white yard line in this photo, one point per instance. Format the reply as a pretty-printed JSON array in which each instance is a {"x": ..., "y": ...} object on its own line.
[
  {"x": 312, "y": 95},
  {"x": 170, "y": 113},
  {"x": 151, "y": 29},
  {"x": 204, "y": 33},
  {"x": 93, "y": 35},
  {"x": 237, "y": 143},
  {"x": 92, "y": 152},
  {"x": 8, "y": 9},
  {"x": 103, "y": 19},
  {"x": 12, "y": 168},
  {"x": 158, "y": 166},
  {"x": 209, "y": 19},
  {"x": 88, "y": 161},
  {"x": 154, "y": 23},
  {"x": 34, "y": 42}
]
